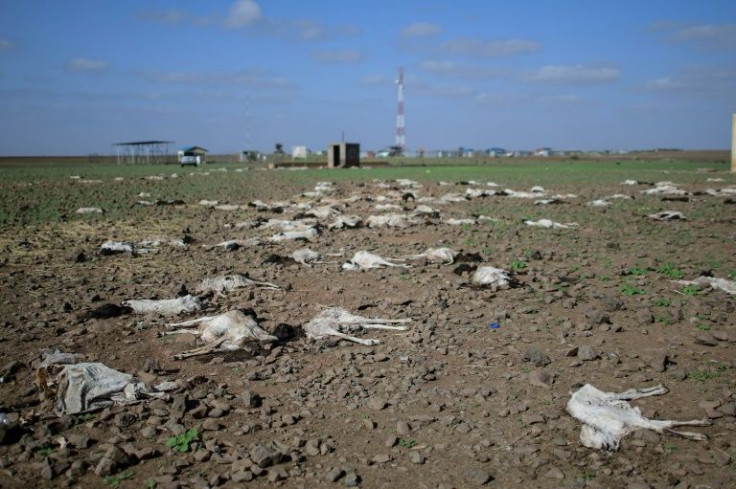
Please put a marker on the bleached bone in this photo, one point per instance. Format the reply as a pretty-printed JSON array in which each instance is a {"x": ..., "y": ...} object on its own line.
[
  {"x": 323, "y": 212},
  {"x": 522, "y": 195},
  {"x": 487, "y": 276},
  {"x": 436, "y": 255},
  {"x": 226, "y": 207},
  {"x": 474, "y": 193},
  {"x": 668, "y": 216},
  {"x": 308, "y": 234},
  {"x": 548, "y": 224},
  {"x": 208, "y": 203},
  {"x": 147, "y": 203},
  {"x": 165, "y": 307},
  {"x": 337, "y": 321},
  {"x": 406, "y": 183},
  {"x": 349, "y": 222},
  {"x": 306, "y": 256},
  {"x": 89, "y": 210},
  {"x": 234, "y": 244},
  {"x": 607, "y": 417},
  {"x": 229, "y": 331},
  {"x": 629, "y": 182},
  {"x": 452, "y": 198},
  {"x": 364, "y": 260},
  {"x": 620, "y": 196},
  {"x": 227, "y": 283},
  {"x": 727, "y": 286},
  {"x": 387, "y": 207}
]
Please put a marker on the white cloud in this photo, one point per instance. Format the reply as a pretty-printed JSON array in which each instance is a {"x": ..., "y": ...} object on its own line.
[
  {"x": 482, "y": 48},
  {"x": 6, "y": 44},
  {"x": 341, "y": 56},
  {"x": 85, "y": 65},
  {"x": 574, "y": 74},
  {"x": 665, "y": 84},
  {"x": 421, "y": 29},
  {"x": 721, "y": 36},
  {"x": 452, "y": 69},
  {"x": 250, "y": 78},
  {"x": 243, "y": 13}
]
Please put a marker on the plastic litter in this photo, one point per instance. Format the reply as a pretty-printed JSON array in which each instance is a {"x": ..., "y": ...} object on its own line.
[
  {"x": 495, "y": 325},
  {"x": 3, "y": 419}
]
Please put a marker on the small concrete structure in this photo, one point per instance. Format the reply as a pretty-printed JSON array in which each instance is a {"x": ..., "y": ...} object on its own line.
[
  {"x": 192, "y": 155},
  {"x": 343, "y": 155}
]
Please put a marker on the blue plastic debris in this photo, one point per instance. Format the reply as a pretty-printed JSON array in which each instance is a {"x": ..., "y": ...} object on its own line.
[{"x": 495, "y": 325}]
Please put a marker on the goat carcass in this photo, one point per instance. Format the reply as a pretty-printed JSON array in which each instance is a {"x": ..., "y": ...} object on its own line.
[
  {"x": 165, "y": 307},
  {"x": 336, "y": 321},
  {"x": 349, "y": 222},
  {"x": 548, "y": 224},
  {"x": 364, "y": 260},
  {"x": 607, "y": 417},
  {"x": 489, "y": 276},
  {"x": 229, "y": 331},
  {"x": 436, "y": 255},
  {"x": 227, "y": 283},
  {"x": 307, "y": 234},
  {"x": 306, "y": 256},
  {"x": 668, "y": 216},
  {"x": 723, "y": 284}
]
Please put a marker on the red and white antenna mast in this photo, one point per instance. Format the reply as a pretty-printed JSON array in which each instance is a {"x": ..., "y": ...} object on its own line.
[{"x": 400, "y": 135}]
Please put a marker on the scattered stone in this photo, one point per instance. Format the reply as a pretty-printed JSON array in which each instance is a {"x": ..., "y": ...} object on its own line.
[
  {"x": 351, "y": 480},
  {"x": 416, "y": 457},
  {"x": 541, "y": 378},
  {"x": 377, "y": 404},
  {"x": 554, "y": 473},
  {"x": 536, "y": 357},
  {"x": 587, "y": 353},
  {"x": 479, "y": 477},
  {"x": 706, "y": 339}
]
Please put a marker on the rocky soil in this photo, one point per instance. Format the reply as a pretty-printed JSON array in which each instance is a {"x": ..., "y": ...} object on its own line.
[{"x": 472, "y": 395}]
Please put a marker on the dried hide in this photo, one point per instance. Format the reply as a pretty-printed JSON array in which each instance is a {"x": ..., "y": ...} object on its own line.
[
  {"x": 388, "y": 207},
  {"x": 599, "y": 203},
  {"x": 363, "y": 260},
  {"x": 346, "y": 222},
  {"x": 727, "y": 286},
  {"x": 88, "y": 210},
  {"x": 208, "y": 203},
  {"x": 226, "y": 207},
  {"x": 229, "y": 331},
  {"x": 235, "y": 244},
  {"x": 227, "y": 283},
  {"x": 85, "y": 387},
  {"x": 668, "y": 216},
  {"x": 548, "y": 224},
  {"x": 165, "y": 307},
  {"x": 284, "y": 226},
  {"x": 490, "y": 276},
  {"x": 115, "y": 247},
  {"x": 389, "y": 220},
  {"x": 305, "y": 256},
  {"x": 664, "y": 188},
  {"x": 607, "y": 417},
  {"x": 337, "y": 321},
  {"x": 322, "y": 212},
  {"x": 460, "y": 222},
  {"x": 436, "y": 255},
  {"x": 451, "y": 198},
  {"x": 426, "y": 212},
  {"x": 306, "y": 234},
  {"x": 474, "y": 193}
]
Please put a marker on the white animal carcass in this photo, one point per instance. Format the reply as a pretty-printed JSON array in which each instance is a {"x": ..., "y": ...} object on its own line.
[
  {"x": 226, "y": 283},
  {"x": 490, "y": 276},
  {"x": 165, "y": 307},
  {"x": 306, "y": 234},
  {"x": 436, "y": 255},
  {"x": 336, "y": 321},
  {"x": 548, "y": 224},
  {"x": 723, "y": 284},
  {"x": 668, "y": 216},
  {"x": 364, "y": 260},
  {"x": 306, "y": 256},
  {"x": 607, "y": 417},
  {"x": 229, "y": 331}
]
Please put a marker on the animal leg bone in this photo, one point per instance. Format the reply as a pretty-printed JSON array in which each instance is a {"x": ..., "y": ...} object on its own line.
[
  {"x": 632, "y": 394},
  {"x": 353, "y": 338},
  {"x": 383, "y": 326},
  {"x": 202, "y": 350}
]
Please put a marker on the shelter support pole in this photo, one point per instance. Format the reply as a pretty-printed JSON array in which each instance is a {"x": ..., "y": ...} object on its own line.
[{"x": 733, "y": 144}]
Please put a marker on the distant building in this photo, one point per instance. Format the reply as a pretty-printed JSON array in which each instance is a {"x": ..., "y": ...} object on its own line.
[
  {"x": 193, "y": 155},
  {"x": 544, "y": 152},
  {"x": 299, "y": 152},
  {"x": 343, "y": 155}
]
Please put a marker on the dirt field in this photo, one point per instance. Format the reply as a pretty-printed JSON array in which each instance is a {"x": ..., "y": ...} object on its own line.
[{"x": 472, "y": 395}]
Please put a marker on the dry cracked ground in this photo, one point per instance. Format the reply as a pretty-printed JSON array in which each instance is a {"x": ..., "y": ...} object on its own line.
[{"x": 473, "y": 394}]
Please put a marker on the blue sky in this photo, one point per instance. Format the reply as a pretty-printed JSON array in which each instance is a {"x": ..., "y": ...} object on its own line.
[{"x": 79, "y": 75}]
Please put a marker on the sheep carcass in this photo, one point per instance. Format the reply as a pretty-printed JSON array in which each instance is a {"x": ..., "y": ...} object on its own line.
[
  {"x": 346, "y": 222},
  {"x": 306, "y": 256},
  {"x": 165, "y": 307},
  {"x": 668, "y": 216},
  {"x": 548, "y": 224},
  {"x": 364, "y": 260},
  {"x": 227, "y": 283},
  {"x": 488, "y": 276},
  {"x": 607, "y": 417},
  {"x": 307, "y": 234},
  {"x": 728, "y": 286},
  {"x": 335, "y": 321},
  {"x": 436, "y": 255},
  {"x": 229, "y": 331}
]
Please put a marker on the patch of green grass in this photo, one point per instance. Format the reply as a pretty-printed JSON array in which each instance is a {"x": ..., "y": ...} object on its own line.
[
  {"x": 707, "y": 373},
  {"x": 662, "y": 302},
  {"x": 607, "y": 264},
  {"x": 732, "y": 275},
  {"x": 407, "y": 443},
  {"x": 517, "y": 265},
  {"x": 666, "y": 320},
  {"x": 604, "y": 278},
  {"x": 115, "y": 480},
  {"x": 44, "y": 451},
  {"x": 670, "y": 270},
  {"x": 237, "y": 370},
  {"x": 561, "y": 287},
  {"x": 703, "y": 327},
  {"x": 150, "y": 483},
  {"x": 670, "y": 447},
  {"x": 638, "y": 271},
  {"x": 690, "y": 290},
  {"x": 526, "y": 369},
  {"x": 631, "y": 290},
  {"x": 181, "y": 442}
]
